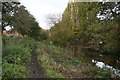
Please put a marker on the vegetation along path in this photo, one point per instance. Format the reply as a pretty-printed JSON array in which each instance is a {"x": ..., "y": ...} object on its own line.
[{"x": 35, "y": 71}]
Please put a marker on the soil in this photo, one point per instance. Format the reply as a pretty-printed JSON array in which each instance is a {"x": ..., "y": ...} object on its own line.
[{"x": 35, "y": 70}]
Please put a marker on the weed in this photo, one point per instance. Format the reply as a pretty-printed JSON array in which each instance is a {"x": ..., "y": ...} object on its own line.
[{"x": 16, "y": 56}]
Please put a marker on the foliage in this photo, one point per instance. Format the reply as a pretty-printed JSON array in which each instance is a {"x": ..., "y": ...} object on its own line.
[
  {"x": 81, "y": 26},
  {"x": 46, "y": 61},
  {"x": 19, "y": 19},
  {"x": 58, "y": 65},
  {"x": 16, "y": 56},
  {"x": 110, "y": 10},
  {"x": 53, "y": 74},
  {"x": 7, "y": 10},
  {"x": 13, "y": 71},
  {"x": 100, "y": 73}
]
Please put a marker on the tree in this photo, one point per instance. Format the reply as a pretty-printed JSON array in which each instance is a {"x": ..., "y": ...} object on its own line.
[
  {"x": 53, "y": 19},
  {"x": 110, "y": 10},
  {"x": 81, "y": 26},
  {"x": 8, "y": 11},
  {"x": 16, "y": 16}
]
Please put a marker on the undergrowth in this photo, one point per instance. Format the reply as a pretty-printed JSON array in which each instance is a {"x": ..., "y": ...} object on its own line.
[
  {"x": 58, "y": 64},
  {"x": 16, "y": 56}
]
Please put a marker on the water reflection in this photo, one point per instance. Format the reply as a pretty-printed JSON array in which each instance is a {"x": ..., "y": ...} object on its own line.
[
  {"x": 105, "y": 66},
  {"x": 102, "y": 60}
]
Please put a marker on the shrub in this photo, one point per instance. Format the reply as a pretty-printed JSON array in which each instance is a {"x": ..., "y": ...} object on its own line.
[
  {"x": 16, "y": 54},
  {"x": 13, "y": 71}
]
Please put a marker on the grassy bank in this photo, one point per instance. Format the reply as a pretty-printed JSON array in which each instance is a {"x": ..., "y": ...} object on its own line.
[
  {"x": 16, "y": 56},
  {"x": 57, "y": 64},
  {"x": 53, "y": 59}
]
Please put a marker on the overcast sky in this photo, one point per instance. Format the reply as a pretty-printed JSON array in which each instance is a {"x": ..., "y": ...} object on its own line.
[{"x": 41, "y": 8}]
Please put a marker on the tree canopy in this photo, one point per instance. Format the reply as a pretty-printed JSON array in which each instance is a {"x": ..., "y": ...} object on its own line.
[
  {"x": 16, "y": 16},
  {"x": 81, "y": 25}
]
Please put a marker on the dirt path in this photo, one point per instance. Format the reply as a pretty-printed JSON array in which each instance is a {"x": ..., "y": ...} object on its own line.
[{"x": 35, "y": 71}]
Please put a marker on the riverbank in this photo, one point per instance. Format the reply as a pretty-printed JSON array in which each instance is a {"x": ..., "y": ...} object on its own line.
[
  {"x": 57, "y": 64},
  {"x": 21, "y": 59}
]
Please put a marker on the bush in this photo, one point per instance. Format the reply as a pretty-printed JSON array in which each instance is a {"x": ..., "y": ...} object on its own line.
[
  {"x": 16, "y": 54},
  {"x": 13, "y": 71}
]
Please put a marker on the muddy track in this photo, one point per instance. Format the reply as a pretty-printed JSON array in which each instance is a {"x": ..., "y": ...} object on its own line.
[{"x": 35, "y": 70}]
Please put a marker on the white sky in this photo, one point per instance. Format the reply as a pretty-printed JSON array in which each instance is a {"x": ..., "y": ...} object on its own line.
[{"x": 41, "y": 8}]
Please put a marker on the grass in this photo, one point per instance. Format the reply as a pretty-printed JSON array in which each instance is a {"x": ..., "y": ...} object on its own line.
[
  {"x": 54, "y": 61},
  {"x": 48, "y": 65},
  {"x": 54, "y": 74},
  {"x": 57, "y": 64}
]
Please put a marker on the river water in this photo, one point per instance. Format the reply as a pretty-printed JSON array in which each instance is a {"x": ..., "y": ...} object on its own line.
[
  {"x": 106, "y": 66},
  {"x": 103, "y": 60}
]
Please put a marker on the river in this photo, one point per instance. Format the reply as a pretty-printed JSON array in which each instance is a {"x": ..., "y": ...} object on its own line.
[{"x": 103, "y": 60}]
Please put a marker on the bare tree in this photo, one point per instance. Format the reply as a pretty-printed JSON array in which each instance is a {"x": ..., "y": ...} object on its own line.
[{"x": 53, "y": 19}]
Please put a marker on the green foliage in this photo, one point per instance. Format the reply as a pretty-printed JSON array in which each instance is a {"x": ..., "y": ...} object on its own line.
[
  {"x": 54, "y": 74},
  {"x": 57, "y": 57},
  {"x": 16, "y": 56},
  {"x": 107, "y": 8},
  {"x": 75, "y": 61},
  {"x": 19, "y": 19},
  {"x": 100, "y": 73},
  {"x": 13, "y": 71},
  {"x": 49, "y": 66},
  {"x": 7, "y": 9},
  {"x": 80, "y": 26},
  {"x": 58, "y": 65}
]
